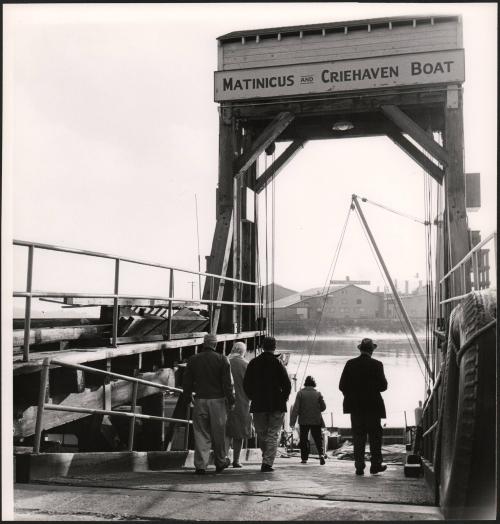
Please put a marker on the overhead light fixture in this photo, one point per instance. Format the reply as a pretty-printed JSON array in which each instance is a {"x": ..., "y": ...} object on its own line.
[{"x": 342, "y": 125}]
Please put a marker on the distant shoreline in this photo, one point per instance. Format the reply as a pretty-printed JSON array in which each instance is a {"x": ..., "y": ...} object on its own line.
[{"x": 344, "y": 326}]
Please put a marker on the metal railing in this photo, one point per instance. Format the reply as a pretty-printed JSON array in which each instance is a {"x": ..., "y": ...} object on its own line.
[
  {"x": 431, "y": 409},
  {"x": 44, "y": 405},
  {"x": 463, "y": 265},
  {"x": 116, "y": 296}
]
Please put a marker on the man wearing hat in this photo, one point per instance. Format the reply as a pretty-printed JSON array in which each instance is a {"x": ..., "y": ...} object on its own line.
[
  {"x": 267, "y": 385},
  {"x": 361, "y": 382},
  {"x": 208, "y": 375}
]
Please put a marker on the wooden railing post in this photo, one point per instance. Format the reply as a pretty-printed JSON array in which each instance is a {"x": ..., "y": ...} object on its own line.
[
  {"x": 27, "y": 307},
  {"x": 42, "y": 399},
  {"x": 115, "y": 303}
]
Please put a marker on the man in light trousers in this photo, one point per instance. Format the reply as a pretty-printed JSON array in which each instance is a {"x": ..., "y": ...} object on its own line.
[
  {"x": 208, "y": 375},
  {"x": 267, "y": 385}
]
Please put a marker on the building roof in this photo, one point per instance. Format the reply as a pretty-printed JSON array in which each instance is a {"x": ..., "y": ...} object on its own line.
[
  {"x": 286, "y": 301},
  {"x": 314, "y": 28}
]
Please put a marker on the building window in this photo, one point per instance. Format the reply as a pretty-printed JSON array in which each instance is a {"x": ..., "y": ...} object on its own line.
[{"x": 358, "y": 301}]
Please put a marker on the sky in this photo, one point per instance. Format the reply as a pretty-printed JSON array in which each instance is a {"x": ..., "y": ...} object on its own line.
[{"x": 110, "y": 130}]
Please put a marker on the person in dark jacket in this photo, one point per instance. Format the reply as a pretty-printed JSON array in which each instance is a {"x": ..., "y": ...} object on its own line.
[
  {"x": 268, "y": 387},
  {"x": 208, "y": 375},
  {"x": 308, "y": 406},
  {"x": 361, "y": 382}
]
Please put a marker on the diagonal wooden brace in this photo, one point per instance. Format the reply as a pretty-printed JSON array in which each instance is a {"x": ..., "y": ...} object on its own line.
[
  {"x": 267, "y": 137},
  {"x": 408, "y": 126},
  {"x": 278, "y": 165},
  {"x": 219, "y": 260},
  {"x": 425, "y": 163}
]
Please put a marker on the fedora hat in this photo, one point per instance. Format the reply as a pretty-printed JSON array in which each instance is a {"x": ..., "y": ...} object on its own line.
[{"x": 367, "y": 344}]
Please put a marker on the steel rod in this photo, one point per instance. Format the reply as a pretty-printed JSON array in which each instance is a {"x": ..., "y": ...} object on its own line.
[
  {"x": 131, "y": 428},
  {"x": 42, "y": 399},
  {"x": 61, "y": 249},
  {"x": 393, "y": 287},
  {"x": 477, "y": 247},
  {"x": 124, "y": 297},
  {"x": 27, "y": 306},
  {"x": 74, "y": 409},
  {"x": 116, "y": 375},
  {"x": 115, "y": 303},
  {"x": 170, "y": 292}
]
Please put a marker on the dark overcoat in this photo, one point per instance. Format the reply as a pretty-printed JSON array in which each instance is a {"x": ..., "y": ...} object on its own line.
[
  {"x": 267, "y": 384},
  {"x": 361, "y": 382}
]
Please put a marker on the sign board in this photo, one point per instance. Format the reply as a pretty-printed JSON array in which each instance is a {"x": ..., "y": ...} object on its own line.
[{"x": 435, "y": 67}]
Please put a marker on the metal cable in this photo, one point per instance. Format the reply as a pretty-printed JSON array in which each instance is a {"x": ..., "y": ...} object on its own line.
[
  {"x": 411, "y": 217},
  {"x": 332, "y": 266}
]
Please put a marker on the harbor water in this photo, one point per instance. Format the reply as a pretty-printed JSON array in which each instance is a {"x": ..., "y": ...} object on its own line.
[{"x": 325, "y": 357}]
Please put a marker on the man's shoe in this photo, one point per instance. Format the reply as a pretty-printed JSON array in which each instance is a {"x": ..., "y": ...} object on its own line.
[
  {"x": 237, "y": 465},
  {"x": 360, "y": 471},
  {"x": 377, "y": 469},
  {"x": 266, "y": 468},
  {"x": 322, "y": 460},
  {"x": 199, "y": 471},
  {"x": 303, "y": 461}
]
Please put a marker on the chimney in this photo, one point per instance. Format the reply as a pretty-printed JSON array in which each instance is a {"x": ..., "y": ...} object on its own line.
[
  {"x": 347, "y": 279},
  {"x": 406, "y": 287}
]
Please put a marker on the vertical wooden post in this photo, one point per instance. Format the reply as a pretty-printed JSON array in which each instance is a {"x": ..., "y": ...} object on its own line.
[
  {"x": 170, "y": 294},
  {"x": 42, "y": 399},
  {"x": 115, "y": 303},
  {"x": 455, "y": 186},
  {"x": 27, "y": 306}
]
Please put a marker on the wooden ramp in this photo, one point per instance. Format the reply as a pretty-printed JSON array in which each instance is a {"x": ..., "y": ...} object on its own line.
[{"x": 292, "y": 492}]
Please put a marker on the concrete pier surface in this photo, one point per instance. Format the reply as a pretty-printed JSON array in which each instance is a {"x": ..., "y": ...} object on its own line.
[{"x": 294, "y": 491}]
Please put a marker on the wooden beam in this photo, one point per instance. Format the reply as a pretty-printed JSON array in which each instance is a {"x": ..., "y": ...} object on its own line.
[
  {"x": 94, "y": 354},
  {"x": 218, "y": 262},
  {"x": 56, "y": 334},
  {"x": 267, "y": 137},
  {"x": 425, "y": 163},
  {"x": 278, "y": 165},
  {"x": 458, "y": 234},
  {"x": 410, "y": 127}
]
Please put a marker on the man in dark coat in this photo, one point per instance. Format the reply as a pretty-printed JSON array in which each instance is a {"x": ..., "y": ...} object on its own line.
[
  {"x": 361, "y": 382},
  {"x": 267, "y": 385}
]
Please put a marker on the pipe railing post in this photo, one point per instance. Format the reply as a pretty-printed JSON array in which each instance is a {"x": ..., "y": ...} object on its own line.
[
  {"x": 133, "y": 408},
  {"x": 42, "y": 399},
  {"x": 186, "y": 433},
  {"x": 27, "y": 307},
  {"x": 475, "y": 266},
  {"x": 115, "y": 304},
  {"x": 170, "y": 294}
]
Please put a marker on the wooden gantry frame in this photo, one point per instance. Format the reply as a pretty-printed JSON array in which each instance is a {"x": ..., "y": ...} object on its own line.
[{"x": 248, "y": 127}]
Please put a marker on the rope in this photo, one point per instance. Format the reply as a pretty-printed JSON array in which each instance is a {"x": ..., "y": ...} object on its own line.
[
  {"x": 331, "y": 270},
  {"x": 426, "y": 222}
]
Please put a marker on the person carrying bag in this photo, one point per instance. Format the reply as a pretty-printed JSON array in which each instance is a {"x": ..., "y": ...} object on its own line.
[{"x": 308, "y": 406}]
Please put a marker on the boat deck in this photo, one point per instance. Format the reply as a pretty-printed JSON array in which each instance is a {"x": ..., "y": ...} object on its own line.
[{"x": 293, "y": 491}]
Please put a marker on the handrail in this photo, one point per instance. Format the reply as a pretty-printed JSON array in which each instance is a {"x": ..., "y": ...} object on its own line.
[
  {"x": 116, "y": 296},
  {"x": 43, "y": 405},
  {"x": 469, "y": 255},
  {"x": 62, "y": 249},
  {"x": 57, "y": 294}
]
